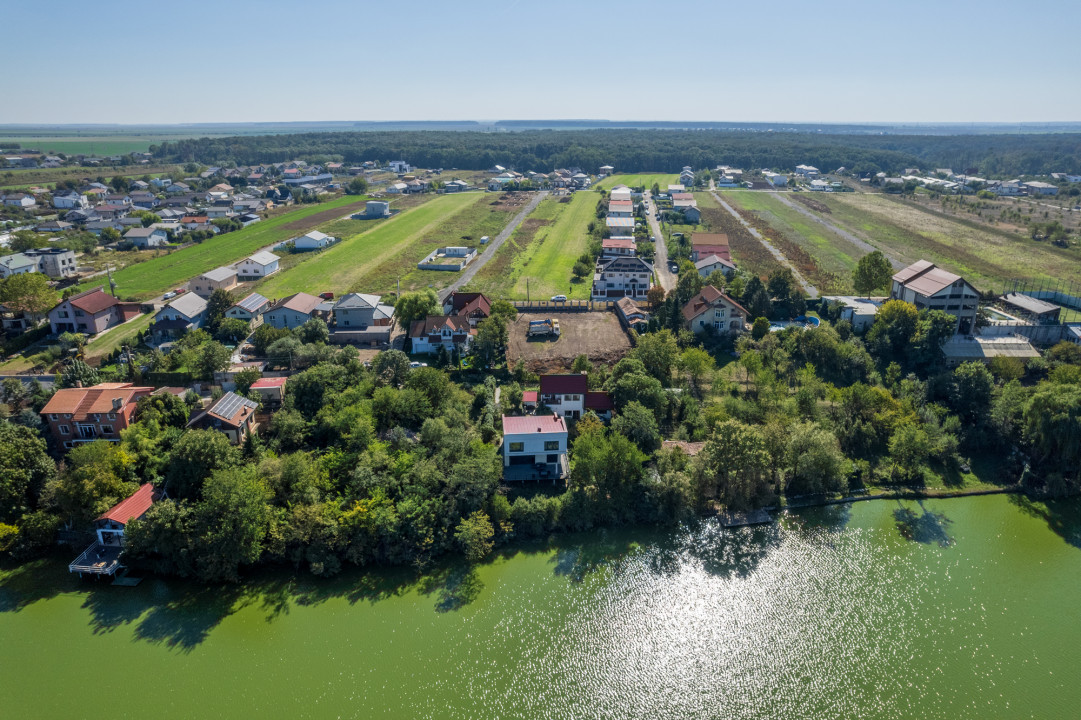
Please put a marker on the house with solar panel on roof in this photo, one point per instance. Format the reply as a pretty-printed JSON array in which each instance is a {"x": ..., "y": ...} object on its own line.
[
  {"x": 232, "y": 414},
  {"x": 250, "y": 310},
  {"x": 103, "y": 556}
]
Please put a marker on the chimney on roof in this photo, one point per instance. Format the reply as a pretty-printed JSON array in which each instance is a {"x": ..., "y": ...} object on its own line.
[
  {"x": 78, "y": 383},
  {"x": 117, "y": 403}
]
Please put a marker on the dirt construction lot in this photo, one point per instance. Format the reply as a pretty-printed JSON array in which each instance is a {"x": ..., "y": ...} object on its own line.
[{"x": 595, "y": 334}]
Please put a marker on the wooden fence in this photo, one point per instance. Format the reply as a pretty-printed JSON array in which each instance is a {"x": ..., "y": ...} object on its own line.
[{"x": 568, "y": 306}]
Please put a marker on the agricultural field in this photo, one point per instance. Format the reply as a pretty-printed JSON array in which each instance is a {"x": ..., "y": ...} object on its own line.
[
  {"x": 371, "y": 257},
  {"x": 984, "y": 255},
  {"x": 155, "y": 276},
  {"x": 542, "y": 251},
  {"x": 598, "y": 335},
  {"x": 748, "y": 253},
  {"x": 24, "y": 178},
  {"x": 834, "y": 256}
]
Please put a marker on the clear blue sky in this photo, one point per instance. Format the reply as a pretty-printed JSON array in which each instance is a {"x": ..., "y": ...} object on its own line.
[{"x": 832, "y": 61}]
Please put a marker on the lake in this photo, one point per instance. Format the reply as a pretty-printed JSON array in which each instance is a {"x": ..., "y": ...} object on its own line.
[{"x": 960, "y": 608}]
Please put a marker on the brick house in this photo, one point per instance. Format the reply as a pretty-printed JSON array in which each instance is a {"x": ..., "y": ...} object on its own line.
[{"x": 78, "y": 415}]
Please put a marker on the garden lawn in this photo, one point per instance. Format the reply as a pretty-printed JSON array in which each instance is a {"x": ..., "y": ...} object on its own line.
[
  {"x": 110, "y": 340},
  {"x": 155, "y": 276},
  {"x": 645, "y": 180},
  {"x": 368, "y": 260}
]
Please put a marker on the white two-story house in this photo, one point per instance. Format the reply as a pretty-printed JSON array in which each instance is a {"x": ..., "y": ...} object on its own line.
[
  {"x": 534, "y": 446},
  {"x": 618, "y": 277}
]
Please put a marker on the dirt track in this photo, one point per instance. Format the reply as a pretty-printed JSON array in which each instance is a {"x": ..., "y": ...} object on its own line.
[{"x": 597, "y": 335}]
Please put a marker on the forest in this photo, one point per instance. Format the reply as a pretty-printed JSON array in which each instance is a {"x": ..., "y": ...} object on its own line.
[{"x": 630, "y": 151}]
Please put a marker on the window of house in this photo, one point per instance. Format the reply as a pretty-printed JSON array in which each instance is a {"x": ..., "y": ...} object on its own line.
[
  {"x": 112, "y": 416},
  {"x": 107, "y": 429},
  {"x": 52, "y": 416},
  {"x": 63, "y": 313},
  {"x": 517, "y": 447},
  {"x": 551, "y": 445},
  {"x": 78, "y": 313},
  {"x": 65, "y": 430}
]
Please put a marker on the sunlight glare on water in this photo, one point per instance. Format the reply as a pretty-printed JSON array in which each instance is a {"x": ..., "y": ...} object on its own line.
[{"x": 945, "y": 609}]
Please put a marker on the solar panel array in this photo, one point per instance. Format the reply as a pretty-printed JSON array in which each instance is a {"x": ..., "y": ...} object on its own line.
[{"x": 229, "y": 404}]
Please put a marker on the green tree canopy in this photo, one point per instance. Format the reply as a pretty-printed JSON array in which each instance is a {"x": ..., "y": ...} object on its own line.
[{"x": 873, "y": 272}]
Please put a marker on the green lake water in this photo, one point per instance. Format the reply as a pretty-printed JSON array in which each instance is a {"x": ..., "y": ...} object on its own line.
[{"x": 962, "y": 608}]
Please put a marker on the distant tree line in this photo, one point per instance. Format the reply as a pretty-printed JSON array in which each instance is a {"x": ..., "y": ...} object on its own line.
[{"x": 647, "y": 150}]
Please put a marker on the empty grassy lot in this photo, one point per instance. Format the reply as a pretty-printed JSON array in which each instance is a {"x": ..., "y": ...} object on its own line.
[
  {"x": 834, "y": 256},
  {"x": 985, "y": 256},
  {"x": 369, "y": 259},
  {"x": 645, "y": 180},
  {"x": 155, "y": 276},
  {"x": 542, "y": 250}
]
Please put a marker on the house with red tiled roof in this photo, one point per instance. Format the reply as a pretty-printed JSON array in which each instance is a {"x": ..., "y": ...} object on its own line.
[
  {"x": 78, "y": 415},
  {"x": 472, "y": 306},
  {"x": 534, "y": 447},
  {"x": 90, "y": 312},
  {"x": 569, "y": 396},
  {"x": 103, "y": 556},
  {"x": 711, "y": 308},
  {"x": 270, "y": 389},
  {"x": 447, "y": 331},
  {"x": 706, "y": 244}
]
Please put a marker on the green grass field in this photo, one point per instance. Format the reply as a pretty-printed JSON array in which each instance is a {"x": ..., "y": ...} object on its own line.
[
  {"x": 643, "y": 179},
  {"x": 107, "y": 342},
  {"x": 984, "y": 255},
  {"x": 542, "y": 250},
  {"x": 157, "y": 275},
  {"x": 835, "y": 255},
  {"x": 367, "y": 260}
]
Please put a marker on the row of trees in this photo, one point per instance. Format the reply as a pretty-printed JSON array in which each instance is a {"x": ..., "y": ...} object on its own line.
[{"x": 647, "y": 150}]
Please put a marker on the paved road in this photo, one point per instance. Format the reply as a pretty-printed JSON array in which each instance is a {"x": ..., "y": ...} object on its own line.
[
  {"x": 863, "y": 245},
  {"x": 808, "y": 288},
  {"x": 493, "y": 246},
  {"x": 660, "y": 263}
]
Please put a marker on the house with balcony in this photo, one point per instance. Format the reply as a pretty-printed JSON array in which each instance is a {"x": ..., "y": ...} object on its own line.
[
  {"x": 101, "y": 412},
  {"x": 712, "y": 310},
  {"x": 622, "y": 276},
  {"x": 446, "y": 331},
  {"x": 103, "y": 555},
  {"x": 534, "y": 448},
  {"x": 474, "y": 307},
  {"x": 926, "y": 285},
  {"x": 570, "y": 397}
]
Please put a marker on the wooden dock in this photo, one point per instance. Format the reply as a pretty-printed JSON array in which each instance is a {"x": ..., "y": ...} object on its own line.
[{"x": 744, "y": 519}]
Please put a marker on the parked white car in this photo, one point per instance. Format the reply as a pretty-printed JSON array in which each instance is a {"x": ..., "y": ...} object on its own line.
[{"x": 559, "y": 298}]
